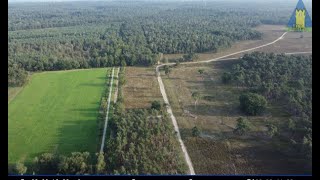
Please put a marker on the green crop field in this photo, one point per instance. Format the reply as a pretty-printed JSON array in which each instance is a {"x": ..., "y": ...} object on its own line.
[{"x": 56, "y": 112}]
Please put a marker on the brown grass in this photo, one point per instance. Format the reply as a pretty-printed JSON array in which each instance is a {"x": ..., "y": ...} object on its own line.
[
  {"x": 218, "y": 150},
  {"x": 291, "y": 43},
  {"x": 141, "y": 87}
]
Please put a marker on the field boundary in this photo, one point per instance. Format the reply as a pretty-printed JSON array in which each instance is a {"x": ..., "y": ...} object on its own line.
[
  {"x": 21, "y": 88},
  {"x": 107, "y": 114}
]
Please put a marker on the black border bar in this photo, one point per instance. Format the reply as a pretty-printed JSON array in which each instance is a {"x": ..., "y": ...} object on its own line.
[{"x": 196, "y": 177}]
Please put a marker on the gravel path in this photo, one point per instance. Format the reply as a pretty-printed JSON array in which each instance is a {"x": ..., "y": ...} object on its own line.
[{"x": 106, "y": 120}]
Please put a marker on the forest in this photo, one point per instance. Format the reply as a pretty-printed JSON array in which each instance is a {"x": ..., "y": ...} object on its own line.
[
  {"x": 286, "y": 80},
  {"x": 72, "y": 35}
]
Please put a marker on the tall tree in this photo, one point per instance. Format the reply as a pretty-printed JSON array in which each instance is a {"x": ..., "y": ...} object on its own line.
[
  {"x": 20, "y": 168},
  {"x": 243, "y": 126},
  {"x": 101, "y": 164},
  {"x": 201, "y": 71},
  {"x": 167, "y": 70},
  {"x": 196, "y": 96}
]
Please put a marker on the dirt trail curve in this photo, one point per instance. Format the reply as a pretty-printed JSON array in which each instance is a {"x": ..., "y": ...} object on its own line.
[
  {"x": 169, "y": 110},
  {"x": 106, "y": 120},
  {"x": 207, "y": 61}
]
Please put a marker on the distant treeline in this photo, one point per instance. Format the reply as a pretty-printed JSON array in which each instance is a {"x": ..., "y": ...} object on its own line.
[{"x": 72, "y": 35}]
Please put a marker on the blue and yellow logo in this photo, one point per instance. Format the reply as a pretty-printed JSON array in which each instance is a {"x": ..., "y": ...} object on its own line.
[{"x": 300, "y": 19}]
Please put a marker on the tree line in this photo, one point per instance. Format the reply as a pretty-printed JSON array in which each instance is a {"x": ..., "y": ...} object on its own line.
[
  {"x": 69, "y": 35},
  {"x": 76, "y": 163}
]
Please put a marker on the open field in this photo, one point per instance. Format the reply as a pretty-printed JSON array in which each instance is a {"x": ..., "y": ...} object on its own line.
[
  {"x": 218, "y": 150},
  {"x": 56, "y": 112},
  {"x": 290, "y": 43},
  {"x": 141, "y": 87}
]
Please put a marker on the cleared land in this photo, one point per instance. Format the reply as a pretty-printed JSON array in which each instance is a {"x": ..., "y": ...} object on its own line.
[
  {"x": 56, "y": 112},
  {"x": 141, "y": 87},
  {"x": 218, "y": 150},
  {"x": 290, "y": 43}
]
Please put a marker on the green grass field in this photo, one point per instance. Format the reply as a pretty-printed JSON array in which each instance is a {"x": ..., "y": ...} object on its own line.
[{"x": 56, "y": 112}]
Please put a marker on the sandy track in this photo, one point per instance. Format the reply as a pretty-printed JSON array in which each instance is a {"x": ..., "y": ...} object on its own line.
[
  {"x": 174, "y": 121},
  {"x": 106, "y": 120}
]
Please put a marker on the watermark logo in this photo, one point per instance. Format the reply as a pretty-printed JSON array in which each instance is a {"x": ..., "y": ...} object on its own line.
[{"x": 300, "y": 19}]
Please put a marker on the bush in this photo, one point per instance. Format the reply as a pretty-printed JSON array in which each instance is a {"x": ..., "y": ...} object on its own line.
[
  {"x": 243, "y": 126},
  {"x": 252, "y": 104},
  {"x": 195, "y": 131},
  {"x": 46, "y": 163},
  {"x": 77, "y": 163},
  {"x": 272, "y": 130},
  {"x": 20, "y": 168},
  {"x": 226, "y": 77},
  {"x": 156, "y": 105}
]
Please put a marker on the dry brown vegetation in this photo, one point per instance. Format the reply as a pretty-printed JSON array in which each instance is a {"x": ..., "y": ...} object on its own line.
[
  {"x": 290, "y": 43},
  {"x": 141, "y": 87},
  {"x": 218, "y": 150}
]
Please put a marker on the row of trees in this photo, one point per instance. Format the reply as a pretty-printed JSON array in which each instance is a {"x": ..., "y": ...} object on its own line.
[
  {"x": 25, "y": 16},
  {"x": 79, "y": 163}
]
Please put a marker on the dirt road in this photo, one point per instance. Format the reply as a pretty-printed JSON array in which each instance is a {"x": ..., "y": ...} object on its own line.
[{"x": 106, "y": 120}]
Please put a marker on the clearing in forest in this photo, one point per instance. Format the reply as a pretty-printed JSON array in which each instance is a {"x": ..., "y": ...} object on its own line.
[
  {"x": 292, "y": 42},
  {"x": 141, "y": 87},
  {"x": 218, "y": 150}
]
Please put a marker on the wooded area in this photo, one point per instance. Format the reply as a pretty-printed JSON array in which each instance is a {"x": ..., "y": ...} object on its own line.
[
  {"x": 66, "y": 35},
  {"x": 286, "y": 80}
]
